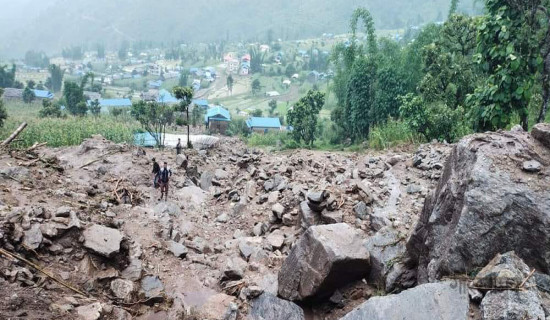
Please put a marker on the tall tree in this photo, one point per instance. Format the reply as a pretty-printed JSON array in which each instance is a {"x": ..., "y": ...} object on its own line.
[
  {"x": 303, "y": 116},
  {"x": 154, "y": 118},
  {"x": 184, "y": 95},
  {"x": 230, "y": 82},
  {"x": 256, "y": 86},
  {"x": 74, "y": 98},
  {"x": 56, "y": 78},
  {"x": 28, "y": 95},
  {"x": 7, "y": 77}
]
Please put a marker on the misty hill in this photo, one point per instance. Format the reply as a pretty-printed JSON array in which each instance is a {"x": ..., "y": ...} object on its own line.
[{"x": 54, "y": 24}]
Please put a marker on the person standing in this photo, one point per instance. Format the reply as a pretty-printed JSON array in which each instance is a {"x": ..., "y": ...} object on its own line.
[
  {"x": 164, "y": 178},
  {"x": 156, "y": 169},
  {"x": 178, "y": 147}
]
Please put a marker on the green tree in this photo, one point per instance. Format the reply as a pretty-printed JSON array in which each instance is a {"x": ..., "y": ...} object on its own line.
[
  {"x": 290, "y": 70},
  {"x": 31, "y": 84},
  {"x": 196, "y": 116},
  {"x": 256, "y": 86},
  {"x": 95, "y": 107},
  {"x": 74, "y": 98},
  {"x": 101, "y": 51},
  {"x": 272, "y": 106},
  {"x": 184, "y": 95},
  {"x": 56, "y": 78},
  {"x": 28, "y": 95},
  {"x": 256, "y": 60},
  {"x": 509, "y": 51},
  {"x": 3, "y": 112},
  {"x": 303, "y": 117},
  {"x": 230, "y": 82},
  {"x": 154, "y": 118},
  {"x": 50, "y": 110},
  {"x": 7, "y": 77},
  {"x": 257, "y": 113}
]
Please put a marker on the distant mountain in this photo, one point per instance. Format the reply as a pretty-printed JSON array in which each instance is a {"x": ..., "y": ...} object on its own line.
[{"x": 55, "y": 24}]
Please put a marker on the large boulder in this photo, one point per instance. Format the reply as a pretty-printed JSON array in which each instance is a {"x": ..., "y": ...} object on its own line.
[
  {"x": 444, "y": 300},
  {"x": 268, "y": 307},
  {"x": 508, "y": 271},
  {"x": 102, "y": 240},
  {"x": 325, "y": 258},
  {"x": 485, "y": 204}
]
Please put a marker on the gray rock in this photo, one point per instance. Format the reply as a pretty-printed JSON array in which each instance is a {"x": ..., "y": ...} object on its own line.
[
  {"x": 378, "y": 221},
  {"x": 543, "y": 281},
  {"x": 133, "y": 270},
  {"x": 386, "y": 248},
  {"x": 330, "y": 217},
  {"x": 278, "y": 210},
  {"x": 206, "y": 180},
  {"x": 362, "y": 211},
  {"x": 122, "y": 289},
  {"x": 512, "y": 304},
  {"x": 201, "y": 245},
  {"x": 481, "y": 208},
  {"x": 17, "y": 173},
  {"x": 541, "y": 132},
  {"x": 505, "y": 271},
  {"x": 316, "y": 196},
  {"x": 429, "y": 301},
  {"x": 276, "y": 239},
  {"x": 325, "y": 258},
  {"x": 269, "y": 307},
  {"x": 413, "y": 188},
  {"x": 177, "y": 249},
  {"x": 152, "y": 286},
  {"x": 33, "y": 237},
  {"x": 259, "y": 229},
  {"x": 222, "y": 218},
  {"x": 475, "y": 295},
  {"x": 90, "y": 312},
  {"x": 102, "y": 240},
  {"x": 234, "y": 268},
  {"x": 532, "y": 166},
  {"x": 181, "y": 161},
  {"x": 221, "y": 174},
  {"x": 308, "y": 217},
  {"x": 63, "y": 212}
]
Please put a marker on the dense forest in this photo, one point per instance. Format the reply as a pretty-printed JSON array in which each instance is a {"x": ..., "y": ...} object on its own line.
[{"x": 55, "y": 24}]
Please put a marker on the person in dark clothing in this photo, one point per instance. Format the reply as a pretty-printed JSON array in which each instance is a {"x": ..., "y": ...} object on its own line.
[
  {"x": 164, "y": 178},
  {"x": 178, "y": 147},
  {"x": 156, "y": 169}
]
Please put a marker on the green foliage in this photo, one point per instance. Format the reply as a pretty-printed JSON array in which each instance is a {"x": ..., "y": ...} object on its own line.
[
  {"x": 196, "y": 115},
  {"x": 95, "y": 107},
  {"x": 290, "y": 70},
  {"x": 74, "y": 98},
  {"x": 7, "y": 77},
  {"x": 50, "y": 110},
  {"x": 256, "y": 60},
  {"x": 3, "y": 112},
  {"x": 56, "y": 78},
  {"x": 184, "y": 78},
  {"x": 256, "y": 86},
  {"x": 36, "y": 59},
  {"x": 303, "y": 117},
  {"x": 509, "y": 51},
  {"x": 257, "y": 113},
  {"x": 238, "y": 127},
  {"x": 391, "y": 134},
  {"x": 28, "y": 95},
  {"x": 230, "y": 82},
  {"x": 116, "y": 112},
  {"x": 271, "y": 139},
  {"x": 272, "y": 104},
  {"x": 433, "y": 120},
  {"x": 154, "y": 118}
]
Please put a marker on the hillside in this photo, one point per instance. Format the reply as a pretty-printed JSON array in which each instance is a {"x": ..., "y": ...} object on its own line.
[{"x": 53, "y": 25}]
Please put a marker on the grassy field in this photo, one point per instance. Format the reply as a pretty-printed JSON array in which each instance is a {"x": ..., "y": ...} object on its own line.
[{"x": 64, "y": 132}]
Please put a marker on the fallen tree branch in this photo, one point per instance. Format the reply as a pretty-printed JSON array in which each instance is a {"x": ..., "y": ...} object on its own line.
[
  {"x": 14, "y": 134},
  {"x": 529, "y": 276},
  {"x": 16, "y": 257},
  {"x": 100, "y": 158}
]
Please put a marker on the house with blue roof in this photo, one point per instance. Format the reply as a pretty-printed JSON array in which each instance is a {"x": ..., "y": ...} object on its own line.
[
  {"x": 166, "y": 97},
  {"x": 217, "y": 119},
  {"x": 107, "y": 104},
  {"x": 43, "y": 94},
  {"x": 155, "y": 84},
  {"x": 202, "y": 103},
  {"x": 263, "y": 125}
]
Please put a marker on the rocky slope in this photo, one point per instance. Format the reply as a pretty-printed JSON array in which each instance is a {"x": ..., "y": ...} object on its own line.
[{"x": 251, "y": 234}]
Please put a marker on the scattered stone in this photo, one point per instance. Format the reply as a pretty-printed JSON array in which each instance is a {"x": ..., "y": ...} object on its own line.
[
  {"x": 325, "y": 258},
  {"x": 234, "y": 269},
  {"x": 317, "y": 197},
  {"x": 278, "y": 210},
  {"x": 268, "y": 306},
  {"x": 63, "y": 212},
  {"x": 532, "y": 166},
  {"x": 413, "y": 188},
  {"x": 33, "y": 237},
  {"x": 206, "y": 180},
  {"x": 362, "y": 211},
  {"x": 308, "y": 217},
  {"x": 475, "y": 295},
  {"x": 259, "y": 229},
  {"x": 276, "y": 239},
  {"x": 90, "y": 312},
  {"x": 181, "y": 161},
  {"x": 330, "y": 217},
  {"x": 512, "y": 304},
  {"x": 222, "y": 218},
  {"x": 133, "y": 270},
  {"x": 178, "y": 249},
  {"x": 443, "y": 300},
  {"x": 152, "y": 286},
  {"x": 102, "y": 240},
  {"x": 505, "y": 271},
  {"x": 123, "y": 289}
]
